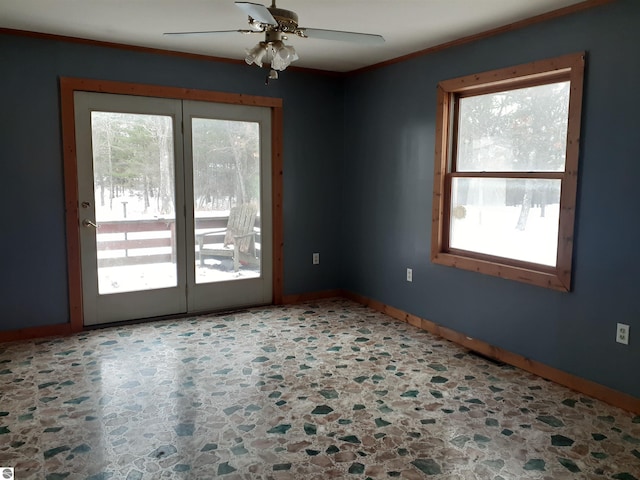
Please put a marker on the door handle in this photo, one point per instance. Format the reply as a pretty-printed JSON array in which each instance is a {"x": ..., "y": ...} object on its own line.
[{"x": 89, "y": 223}]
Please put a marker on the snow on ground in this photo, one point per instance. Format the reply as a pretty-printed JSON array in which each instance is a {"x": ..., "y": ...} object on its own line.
[
  {"x": 492, "y": 230},
  {"x": 132, "y": 278}
]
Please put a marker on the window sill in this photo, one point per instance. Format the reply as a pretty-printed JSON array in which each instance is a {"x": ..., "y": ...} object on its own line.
[{"x": 547, "y": 279}]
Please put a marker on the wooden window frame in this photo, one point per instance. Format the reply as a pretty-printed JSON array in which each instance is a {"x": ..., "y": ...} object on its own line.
[{"x": 568, "y": 67}]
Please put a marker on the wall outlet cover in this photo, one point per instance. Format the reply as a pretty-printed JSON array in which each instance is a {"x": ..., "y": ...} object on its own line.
[{"x": 622, "y": 334}]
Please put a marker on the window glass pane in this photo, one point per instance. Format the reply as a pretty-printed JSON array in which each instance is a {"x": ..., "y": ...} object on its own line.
[
  {"x": 511, "y": 218},
  {"x": 226, "y": 189},
  {"x": 522, "y": 130},
  {"x": 134, "y": 183}
]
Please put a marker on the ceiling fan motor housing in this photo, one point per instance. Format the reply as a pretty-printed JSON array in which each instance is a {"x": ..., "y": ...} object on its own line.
[
  {"x": 287, "y": 20},
  {"x": 271, "y": 36}
]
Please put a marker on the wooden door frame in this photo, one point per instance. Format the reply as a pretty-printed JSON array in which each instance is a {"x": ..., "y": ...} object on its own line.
[{"x": 70, "y": 85}]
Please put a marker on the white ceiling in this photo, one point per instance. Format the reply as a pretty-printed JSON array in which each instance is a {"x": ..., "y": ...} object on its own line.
[{"x": 407, "y": 25}]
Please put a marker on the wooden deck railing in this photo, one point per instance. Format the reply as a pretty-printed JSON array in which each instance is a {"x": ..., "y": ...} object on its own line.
[{"x": 119, "y": 242}]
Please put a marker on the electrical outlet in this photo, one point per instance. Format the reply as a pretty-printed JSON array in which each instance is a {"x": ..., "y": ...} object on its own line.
[
  {"x": 622, "y": 334},
  {"x": 409, "y": 275},
  {"x": 316, "y": 258}
]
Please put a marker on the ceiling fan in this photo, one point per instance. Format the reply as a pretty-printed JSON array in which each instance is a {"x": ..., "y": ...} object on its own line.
[{"x": 276, "y": 23}]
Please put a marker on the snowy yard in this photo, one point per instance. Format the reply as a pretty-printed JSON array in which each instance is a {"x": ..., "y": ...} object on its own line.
[
  {"x": 492, "y": 231},
  {"x": 161, "y": 275}
]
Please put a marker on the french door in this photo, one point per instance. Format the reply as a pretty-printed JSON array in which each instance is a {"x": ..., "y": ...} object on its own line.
[{"x": 164, "y": 187}]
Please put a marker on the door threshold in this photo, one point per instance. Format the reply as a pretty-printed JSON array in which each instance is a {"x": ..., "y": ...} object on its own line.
[{"x": 175, "y": 316}]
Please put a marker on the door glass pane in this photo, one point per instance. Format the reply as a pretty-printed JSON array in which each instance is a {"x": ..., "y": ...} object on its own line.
[
  {"x": 506, "y": 217},
  {"x": 226, "y": 178},
  {"x": 133, "y": 169}
]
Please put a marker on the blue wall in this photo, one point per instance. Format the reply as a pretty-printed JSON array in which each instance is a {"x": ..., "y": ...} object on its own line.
[
  {"x": 361, "y": 148},
  {"x": 33, "y": 264},
  {"x": 388, "y": 181}
]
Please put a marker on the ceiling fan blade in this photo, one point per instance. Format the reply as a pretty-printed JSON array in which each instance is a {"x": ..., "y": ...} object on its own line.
[
  {"x": 258, "y": 12},
  {"x": 364, "y": 38},
  {"x": 208, "y": 32}
]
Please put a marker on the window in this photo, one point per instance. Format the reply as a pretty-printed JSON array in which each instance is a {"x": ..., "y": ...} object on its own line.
[{"x": 506, "y": 169}]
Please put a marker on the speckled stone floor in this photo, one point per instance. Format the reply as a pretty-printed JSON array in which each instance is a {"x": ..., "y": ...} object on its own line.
[{"x": 314, "y": 391}]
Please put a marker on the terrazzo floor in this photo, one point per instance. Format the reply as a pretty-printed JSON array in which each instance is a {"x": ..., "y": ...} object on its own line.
[{"x": 314, "y": 391}]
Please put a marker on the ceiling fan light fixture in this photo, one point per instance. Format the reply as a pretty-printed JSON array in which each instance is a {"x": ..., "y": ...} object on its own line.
[
  {"x": 275, "y": 53},
  {"x": 256, "y": 54},
  {"x": 283, "y": 56}
]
